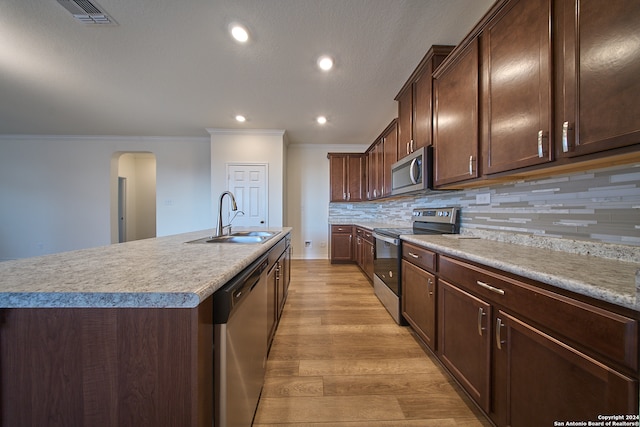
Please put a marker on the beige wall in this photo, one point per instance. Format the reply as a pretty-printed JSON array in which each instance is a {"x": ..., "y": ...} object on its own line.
[
  {"x": 250, "y": 146},
  {"x": 308, "y": 196}
]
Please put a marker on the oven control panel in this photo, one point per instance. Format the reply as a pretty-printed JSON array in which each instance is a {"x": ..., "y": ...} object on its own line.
[{"x": 441, "y": 215}]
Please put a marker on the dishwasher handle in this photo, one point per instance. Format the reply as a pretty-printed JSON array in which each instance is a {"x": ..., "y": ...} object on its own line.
[{"x": 231, "y": 294}]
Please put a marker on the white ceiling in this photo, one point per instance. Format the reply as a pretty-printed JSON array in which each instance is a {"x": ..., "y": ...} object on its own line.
[{"x": 170, "y": 68}]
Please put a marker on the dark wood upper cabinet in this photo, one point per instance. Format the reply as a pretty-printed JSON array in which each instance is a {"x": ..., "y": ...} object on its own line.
[
  {"x": 516, "y": 87},
  {"x": 405, "y": 121},
  {"x": 390, "y": 142},
  {"x": 346, "y": 177},
  {"x": 415, "y": 103},
  {"x": 375, "y": 169},
  {"x": 598, "y": 87},
  {"x": 455, "y": 122}
]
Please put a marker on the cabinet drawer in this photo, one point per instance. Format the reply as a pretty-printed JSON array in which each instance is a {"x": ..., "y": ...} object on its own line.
[
  {"x": 595, "y": 330},
  {"x": 341, "y": 228},
  {"x": 367, "y": 235},
  {"x": 421, "y": 257}
]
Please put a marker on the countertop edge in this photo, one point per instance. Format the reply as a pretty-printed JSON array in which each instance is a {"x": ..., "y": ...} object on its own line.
[
  {"x": 566, "y": 282},
  {"x": 190, "y": 297}
]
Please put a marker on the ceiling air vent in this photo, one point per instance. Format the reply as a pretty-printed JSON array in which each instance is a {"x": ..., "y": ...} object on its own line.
[{"x": 87, "y": 12}]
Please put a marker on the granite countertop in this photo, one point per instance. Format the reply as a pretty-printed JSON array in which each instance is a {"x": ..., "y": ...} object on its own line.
[
  {"x": 608, "y": 280},
  {"x": 162, "y": 272},
  {"x": 371, "y": 225}
]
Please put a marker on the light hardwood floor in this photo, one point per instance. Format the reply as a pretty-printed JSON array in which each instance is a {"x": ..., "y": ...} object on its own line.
[{"x": 338, "y": 359}]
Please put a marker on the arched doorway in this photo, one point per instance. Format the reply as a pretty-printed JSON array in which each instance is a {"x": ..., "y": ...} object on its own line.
[{"x": 133, "y": 196}]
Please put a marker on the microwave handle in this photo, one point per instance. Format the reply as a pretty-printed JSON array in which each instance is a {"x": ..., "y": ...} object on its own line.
[{"x": 412, "y": 171}]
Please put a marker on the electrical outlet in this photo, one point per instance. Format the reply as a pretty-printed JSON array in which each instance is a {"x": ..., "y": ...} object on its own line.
[
  {"x": 307, "y": 243},
  {"x": 483, "y": 199}
]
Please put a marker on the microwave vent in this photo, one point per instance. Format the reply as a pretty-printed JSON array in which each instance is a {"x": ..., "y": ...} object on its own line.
[{"x": 87, "y": 12}]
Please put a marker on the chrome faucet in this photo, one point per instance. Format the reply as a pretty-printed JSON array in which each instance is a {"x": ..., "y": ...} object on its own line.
[{"x": 234, "y": 207}]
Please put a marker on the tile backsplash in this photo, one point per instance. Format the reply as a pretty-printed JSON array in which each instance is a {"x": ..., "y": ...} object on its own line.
[{"x": 585, "y": 210}]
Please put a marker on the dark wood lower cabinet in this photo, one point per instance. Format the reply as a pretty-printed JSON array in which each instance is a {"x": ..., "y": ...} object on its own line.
[
  {"x": 106, "y": 367},
  {"x": 341, "y": 243},
  {"x": 464, "y": 340},
  {"x": 368, "y": 254},
  {"x": 419, "y": 302},
  {"x": 530, "y": 357},
  {"x": 539, "y": 380}
]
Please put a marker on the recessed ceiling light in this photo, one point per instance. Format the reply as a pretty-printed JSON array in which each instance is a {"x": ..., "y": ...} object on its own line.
[
  {"x": 239, "y": 33},
  {"x": 325, "y": 63},
  {"x": 321, "y": 120},
  {"x": 241, "y": 118}
]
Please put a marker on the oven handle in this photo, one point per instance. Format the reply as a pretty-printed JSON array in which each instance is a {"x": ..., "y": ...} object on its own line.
[{"x": 386, "y": 239}]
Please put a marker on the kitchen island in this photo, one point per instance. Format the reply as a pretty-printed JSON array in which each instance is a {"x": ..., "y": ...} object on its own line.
[{"x": 115, "y": 335}]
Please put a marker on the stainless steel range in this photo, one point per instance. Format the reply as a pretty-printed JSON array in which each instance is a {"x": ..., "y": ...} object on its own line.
[{"x": 387, "y": 282}]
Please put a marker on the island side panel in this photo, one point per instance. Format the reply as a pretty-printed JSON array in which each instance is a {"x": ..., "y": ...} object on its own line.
[{"x": 105, "y": 367}]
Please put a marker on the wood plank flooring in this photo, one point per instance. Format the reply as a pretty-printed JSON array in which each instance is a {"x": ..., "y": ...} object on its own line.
[{"x": 338, "y": 359}]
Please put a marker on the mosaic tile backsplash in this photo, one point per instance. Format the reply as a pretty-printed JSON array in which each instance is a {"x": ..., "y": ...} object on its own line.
[{"x": 584, "y": 210}]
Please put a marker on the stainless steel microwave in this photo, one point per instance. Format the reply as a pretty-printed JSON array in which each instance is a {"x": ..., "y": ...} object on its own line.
[{"x": 413, "y": 173}]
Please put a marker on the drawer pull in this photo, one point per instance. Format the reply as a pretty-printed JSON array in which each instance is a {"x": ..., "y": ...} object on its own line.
[
  {"x": 411, "y": 254},
  {"x": 489, "y": 287},
  {"x": 481, "y": 314},
  {"x": 499, "y": 341}
]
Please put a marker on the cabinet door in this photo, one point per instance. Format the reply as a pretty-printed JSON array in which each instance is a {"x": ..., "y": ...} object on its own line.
[
  {"x": 355, "y": 178},
  {"x": 358, "y": 251},
  {"x": 367, "y": 258},
  {"x": 390, "y": 157},
  {"x": 405, "y": 123},
  {"x": 456, "y": 119},
  {"x": 516, "y": 88},
  {"x": 272, "y": 302},
  {"x": 419, "y": 302},
  {"x": 422, "y": 109},
  {"x": 341, "y": 239},
  {"x": 599, "y": 86},
  {"x": 280, "y": 282},
  {"x": 535, "y": 371},
  {"x": 464, "y": 341},
  {"x": 371, "y": 172},
  {"x": 337, "y": 173},
  {"x": 376, "y": 170}
]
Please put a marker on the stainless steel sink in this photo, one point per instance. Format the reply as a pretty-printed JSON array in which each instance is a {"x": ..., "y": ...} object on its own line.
[
  {"x": 255, "y": 233},
  {"x": 247, "y": 237}
]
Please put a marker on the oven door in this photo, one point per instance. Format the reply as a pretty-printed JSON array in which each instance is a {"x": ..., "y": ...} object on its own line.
[{"x": 386, "y": 265}]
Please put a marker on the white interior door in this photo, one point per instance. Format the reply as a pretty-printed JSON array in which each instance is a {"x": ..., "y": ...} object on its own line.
[{"x": 248, "y": 183}]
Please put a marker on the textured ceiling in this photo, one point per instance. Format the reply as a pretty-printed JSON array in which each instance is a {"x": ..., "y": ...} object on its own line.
[{"x": 170, "y": 68}]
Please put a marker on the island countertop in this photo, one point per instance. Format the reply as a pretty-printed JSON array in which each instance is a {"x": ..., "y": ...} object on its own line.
[
  {"x": 616, "y": 282},
  {"x": 163, "y": 272}
]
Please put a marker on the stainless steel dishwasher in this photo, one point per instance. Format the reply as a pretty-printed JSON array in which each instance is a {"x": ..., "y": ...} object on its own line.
[{"x": 240, "y": 345}]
